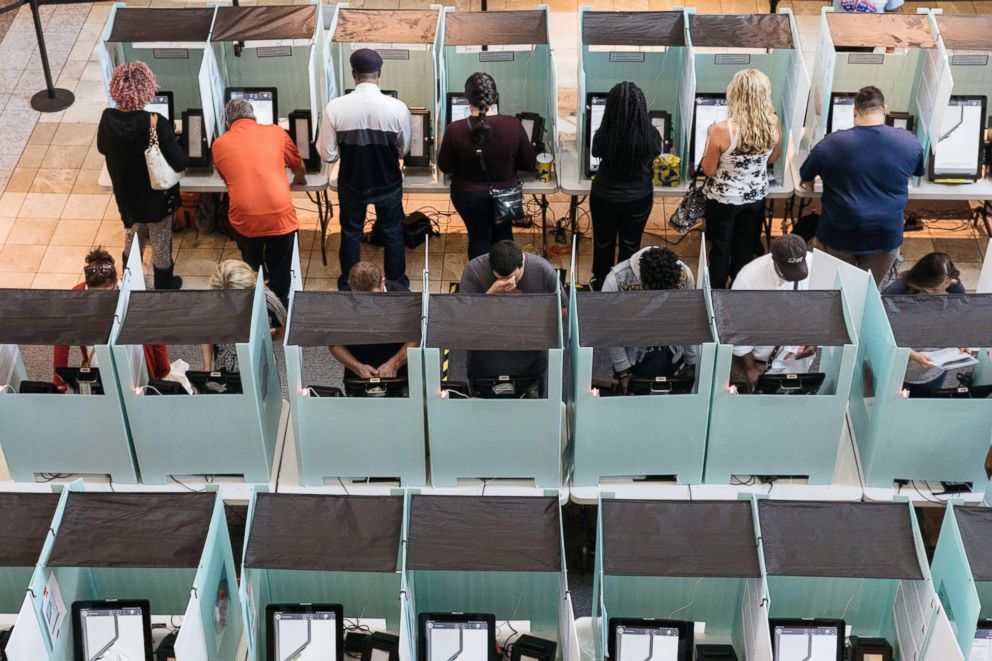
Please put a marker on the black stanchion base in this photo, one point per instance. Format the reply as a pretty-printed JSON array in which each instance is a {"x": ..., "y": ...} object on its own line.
[{"x": 42, "y": 102}]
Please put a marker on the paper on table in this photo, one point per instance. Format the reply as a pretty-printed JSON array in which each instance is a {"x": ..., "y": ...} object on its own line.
[{"x": 950, "y": 358}]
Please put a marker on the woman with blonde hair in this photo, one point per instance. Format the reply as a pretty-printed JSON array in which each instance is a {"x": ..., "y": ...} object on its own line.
[
  {"x": 235, "y": 274},
  {"x": 738, "y": 153}
]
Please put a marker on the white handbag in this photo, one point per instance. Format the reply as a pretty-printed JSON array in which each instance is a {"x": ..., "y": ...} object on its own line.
[{"x": 160, "y": 173}]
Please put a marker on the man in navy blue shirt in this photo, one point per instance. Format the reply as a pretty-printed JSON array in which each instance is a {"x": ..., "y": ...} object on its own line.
[{"x": 865, "y": 172}]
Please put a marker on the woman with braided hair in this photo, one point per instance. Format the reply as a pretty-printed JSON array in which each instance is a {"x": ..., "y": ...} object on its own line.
[
  {"x": 505, "y": 148},
  {"x": 622, "y": 192}
]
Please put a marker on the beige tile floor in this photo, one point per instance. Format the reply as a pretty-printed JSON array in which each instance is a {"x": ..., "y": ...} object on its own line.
[{"x": 52, "y": 211}]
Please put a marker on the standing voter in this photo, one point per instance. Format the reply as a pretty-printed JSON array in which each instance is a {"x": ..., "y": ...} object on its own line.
[{"x": 370, "y": 132}]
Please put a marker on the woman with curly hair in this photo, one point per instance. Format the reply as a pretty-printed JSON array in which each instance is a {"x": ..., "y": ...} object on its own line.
[
  {"x": 122, "y": 138},
  {"x": 738, "y": 152}
]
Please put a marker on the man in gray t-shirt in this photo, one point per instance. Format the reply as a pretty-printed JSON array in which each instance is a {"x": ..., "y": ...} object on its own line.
[{"x": 507, "y": 270}]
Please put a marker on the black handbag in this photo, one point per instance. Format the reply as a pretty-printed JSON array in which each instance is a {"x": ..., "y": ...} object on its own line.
[
  {"x": 508, "y": 203},
  {"x": 691, "y": 209}
]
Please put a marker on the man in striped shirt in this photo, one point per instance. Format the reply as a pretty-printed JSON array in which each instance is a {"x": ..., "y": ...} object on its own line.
[{"x": 370, "y": 132}]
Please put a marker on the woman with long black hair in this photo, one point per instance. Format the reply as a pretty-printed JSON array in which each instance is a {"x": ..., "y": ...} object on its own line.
[
  {"x": 505, "y": 148},
  {"x": 622, "y": 191}
]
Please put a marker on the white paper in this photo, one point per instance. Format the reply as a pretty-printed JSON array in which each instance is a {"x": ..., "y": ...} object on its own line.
[
  {"x": 950, "y": 358},
  {"x": 52, "y": 608}
]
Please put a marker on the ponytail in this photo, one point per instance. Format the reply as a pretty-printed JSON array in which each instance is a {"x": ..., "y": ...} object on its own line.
[{"x": 480, "y": 90}]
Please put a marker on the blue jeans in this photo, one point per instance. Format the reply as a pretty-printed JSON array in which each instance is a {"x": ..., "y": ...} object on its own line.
[
  {"x": 389, "y": 221},
  {"x": 476, "y": 210}
]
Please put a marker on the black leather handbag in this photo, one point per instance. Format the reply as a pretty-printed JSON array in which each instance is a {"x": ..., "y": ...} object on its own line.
[{"x": 508, "y": 203}]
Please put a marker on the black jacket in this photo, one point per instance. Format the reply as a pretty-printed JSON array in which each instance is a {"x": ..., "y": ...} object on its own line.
[{"x": 122, "y": 138}]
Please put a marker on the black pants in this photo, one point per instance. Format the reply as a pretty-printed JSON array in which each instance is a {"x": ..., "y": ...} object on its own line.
[
  {"x": 476, "y": 210},
  {"x": 275, "y": 255},
  {"x": 610, "y": 220},
  {"x": 732, "y": 230}
]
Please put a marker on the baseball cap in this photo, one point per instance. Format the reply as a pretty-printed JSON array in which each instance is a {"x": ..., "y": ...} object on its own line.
[
  {"x": 366, "y": 60},
  {"x": 789, "y": 255}
]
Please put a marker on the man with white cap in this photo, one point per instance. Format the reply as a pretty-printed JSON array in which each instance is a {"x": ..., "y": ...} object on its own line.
[
  {"x": 784, "y": 267},
  {"x": 370, "y": 132}
]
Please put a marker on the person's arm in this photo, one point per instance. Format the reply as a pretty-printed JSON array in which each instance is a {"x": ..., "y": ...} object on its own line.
[
  {"x": 390, "y": 368},
  {"x": 714, "y": 149},
  {"x": 956, "y": 288},
  {"x": 293, "y": 161},
  {"x": 893, "y": 5},
  {"x": 60, "y": 358},
  {"x": 777, "y": 149},
  {"x": 920, "y": 359},
  {"x": 810, "y": 169},
  {"x": 405, "y": 131},
  {"x": 988, "y": 465},
  {"x": 207, "y": 351},
  {"x": 327, "y": 145},
  {"x": 752, "y": 369},
  {"x": 350, "y": 363},
  {"x": 526, "y": 158},
  {"x": 157, "y": 359},
  {"x": 447, "y": 160},
  {"x": 921, "y": 165},
  {"x": 169, "y": 145},
  {"x": 597, "y": 145}
]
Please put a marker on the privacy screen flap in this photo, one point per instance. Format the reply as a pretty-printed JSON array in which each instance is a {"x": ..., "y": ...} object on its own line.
[
  {"x": 966, "y": 32},
  {"x": 330, "y": 318},
  {"x": 325, "y": 533},
  {"x": 263, "y": 23},
  {"x": 975, "y": 524},
  {"x": 56, "y": 316},
  {"x": 484, "y": 533},
  {"x": 643, "y": 318},
  {"x": 489, "y": 322},
  {"x": 947, "y": 320},
  {"x": 886, "y": 30},
  {"x": 484, "y": 28},
  {"x": 814, "y": 318},
  {"x": 642, "y": 28},
  {"x": 399, "y": 26},
  {"x": 838, "y": 540},
  {"x": 188, "y": 317},
  {"x": 125, "y": 530},
  {"x": 141, "y": 24},
  {"x": 670, "y": 538},
  {"x": 740, "y": 30},
  {"x": 25, "y": 519}
]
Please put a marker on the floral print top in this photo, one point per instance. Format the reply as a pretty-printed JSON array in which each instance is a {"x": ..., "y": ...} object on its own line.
[{"x": 739, "y": 178}]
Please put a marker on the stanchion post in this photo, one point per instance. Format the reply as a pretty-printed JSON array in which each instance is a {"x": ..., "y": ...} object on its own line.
[{"x": 50, "y": 99}]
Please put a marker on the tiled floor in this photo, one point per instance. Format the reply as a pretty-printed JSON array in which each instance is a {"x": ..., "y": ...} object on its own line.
[{"x": 52, "y": 211}]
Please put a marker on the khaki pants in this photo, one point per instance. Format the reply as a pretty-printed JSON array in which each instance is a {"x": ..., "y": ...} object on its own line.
[{"x": 878, "y": 263}]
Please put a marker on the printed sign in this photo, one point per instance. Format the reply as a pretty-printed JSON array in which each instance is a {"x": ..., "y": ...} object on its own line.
[
  {"x": 496, "y": 56},
  {"x": 53, "y": 608},
  {"x": 623, "y": 56}
]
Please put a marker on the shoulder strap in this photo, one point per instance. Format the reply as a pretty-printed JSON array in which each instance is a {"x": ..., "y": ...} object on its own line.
[
  {"x": 153, "y": 130},
  {"x": 482, "y": 163}
]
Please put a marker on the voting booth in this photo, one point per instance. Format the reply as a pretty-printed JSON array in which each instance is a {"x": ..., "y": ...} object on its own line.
[
  {"x": 514, "y": 47},
  {"x": 502, "y": 556},
  {"x": 170, "y": 550},
  {"x": 226, "y": 433},
  {"x": 722, "y": 45},
  {"x": 962, "y": 576},
  {"x": 341, "y": 437},
  {"x": 651, "y": 49},
  {"x": 942, "y": 438},
  {"x": 696, "y": 564},
  {"x": 861, "y": 563},
  {"x": 469, "y": 436},
  {"x": 83, "y": 430},
  {"x": 320, "y": 549},
  {"x": 908, "y": 65},
  {"x": 269, "y": 56},
  {"x": 793, "y": 429},
  {"x": 657, "y": 434}
]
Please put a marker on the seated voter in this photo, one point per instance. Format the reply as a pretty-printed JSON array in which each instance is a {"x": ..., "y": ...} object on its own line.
[
  {"x": 235, "y": 274},
  {"x": 654, "y": 269},
  {"x": 508, "y": 270},
  {"x": 934, "y": 274},
  {"x": 100, "y": 272},
  {"x": 785, "y": 267},
  {"x": 365, "y": 361}
]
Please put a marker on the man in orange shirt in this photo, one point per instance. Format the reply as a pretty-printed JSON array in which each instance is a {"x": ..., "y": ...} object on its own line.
[{"x": 252, "y": 158}]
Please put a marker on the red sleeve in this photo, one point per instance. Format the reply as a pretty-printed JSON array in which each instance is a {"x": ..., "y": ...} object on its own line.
[
  {"x": 61, "y": 359},
  {"x": 291, "y": 153},
  {"x": 157, "y": 359}
]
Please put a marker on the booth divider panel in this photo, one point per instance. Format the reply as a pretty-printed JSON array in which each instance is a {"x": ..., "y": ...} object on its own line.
[
  {"x": 323, "y": 319},
  {"x": 740, "y": 31},
  {"x": 975, "y": 525},
  {"x": 371, "y": 595},
  {"x": 897, "y": 77},
  {"x": 179, "y": 76},
  {"x": 966, "y": 32},
  {"x": 956, "y": 320},
  {"x": 263, "y": 23},
  {"x": 482, "y": 322},
  {"x": 14, "y": 581},
  {"x": 808, "y": 317},
  {"x": 25, "y": 519},
  {"x": 652, "y": 28},
  {"x": 865, "y": 604},
  {"x": 715, "y": 601},
  {"x": 402, "y": 26},
  {"x": 144, "y": 24},
  {"x": 470, "y": 28},
  {"x": 289, "y": 75},
  {"x": 43, "y": 316},
  {"x": 643, "y": 318},
  {"x": 187, "y": 317},
  {"x": 168, "y": 590},
  {"x": 885, "y": 30}
]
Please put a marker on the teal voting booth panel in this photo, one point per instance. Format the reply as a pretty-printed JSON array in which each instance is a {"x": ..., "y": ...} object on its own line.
[
  {"x": 780, "y": 434},
  {"x": 652, "y": 49},
  {"x": 469, "y": 437},
  {"x": 514, "y": 47},
  {"x": 925, "y": 439},
  {"x": 172, "y": 549},
  {"x": 348, "y": 437},
  {"x": 863, "y": 563},
  {"x": 69, "y": 432},
  {"x": 968, "y": 40},
  {"x": 269, "y": 47},
  {"x": 724, "y": 44},
  {"x": 173, "y": 42},
  {"x": 647, "y": 435},
  {"x": 962, "y": 574},
  {"x": 695, "y": 562},
  {"x": 177, "y": 435},
  {"x": 323, "y": 549},
  {"x": 501, "y": 555}
]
